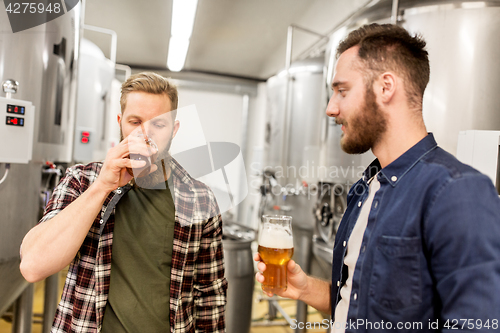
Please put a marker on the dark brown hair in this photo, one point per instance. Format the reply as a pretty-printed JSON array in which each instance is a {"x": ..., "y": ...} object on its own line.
[
  {"x": 389, "y": 47},
  {"x": 152, "y": 83}
]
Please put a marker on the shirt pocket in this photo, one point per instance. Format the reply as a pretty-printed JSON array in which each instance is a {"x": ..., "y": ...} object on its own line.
[{"x": 396, "y": 281}]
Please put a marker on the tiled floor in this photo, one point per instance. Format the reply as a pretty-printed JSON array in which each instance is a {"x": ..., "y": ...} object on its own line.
[{"x": 259, "y": 313}]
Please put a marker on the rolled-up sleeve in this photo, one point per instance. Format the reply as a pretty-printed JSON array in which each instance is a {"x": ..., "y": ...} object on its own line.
[{"x": 68, "y": 190}]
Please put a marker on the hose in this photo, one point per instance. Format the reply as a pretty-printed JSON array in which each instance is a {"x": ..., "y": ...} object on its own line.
[{"x": 7, "y": 167}]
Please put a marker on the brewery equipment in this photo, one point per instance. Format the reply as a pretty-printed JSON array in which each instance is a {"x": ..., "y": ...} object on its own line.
[
  {"x": 239, "y": 273},
  {"x": 290, "y": 166},
  {"x": 43, "y": 60},
  {"x": 295, "y": 107},
  {"x": 465, "y": 72},
  {"x": 16, "y": 128},
  {"x": 94, "y": 116}
]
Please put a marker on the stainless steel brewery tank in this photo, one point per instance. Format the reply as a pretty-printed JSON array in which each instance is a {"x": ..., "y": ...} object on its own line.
[
  {"x": 293, "y": 159},
  {"x": 44, "y": 61},
  {"x": 296, "y": 104},
  {"x": 463, "y": 50}
]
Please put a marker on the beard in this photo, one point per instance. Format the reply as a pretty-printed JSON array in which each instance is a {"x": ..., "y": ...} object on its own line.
[
  {"x": 366, "y": 128},
  {"x": 156, "y": 179}
]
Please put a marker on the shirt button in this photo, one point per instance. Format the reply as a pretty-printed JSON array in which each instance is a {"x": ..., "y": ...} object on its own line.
[
  {"x": 101, "y": 221},
  {"x": 355, "y": 296},
  {"x": 338, "y": 283},
  {"x": 119, "y": 191},
  {"x": 359, "y": 204},
  {"x": 363, "y": 249},
  {"x": 394, "y": 178},
  {"x": 344, "y": 244}
]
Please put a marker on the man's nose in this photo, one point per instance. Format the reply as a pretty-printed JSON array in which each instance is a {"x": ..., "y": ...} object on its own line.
[
  {"x": 332, "y": 110},
  {"x": 146, "y": 129}
]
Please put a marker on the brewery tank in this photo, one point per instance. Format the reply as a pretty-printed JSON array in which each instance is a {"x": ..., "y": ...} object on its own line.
[
  {"x": 462, "y": 93},
  {"x": 292, "y": 158},
  {"x": 295, "y": 111},
  {"x": 43, "y": 59}
]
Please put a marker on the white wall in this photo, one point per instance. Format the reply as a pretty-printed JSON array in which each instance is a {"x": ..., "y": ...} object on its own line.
[
  {"x": 220, "y": 113},
  {"x": 211, "y": 116}
]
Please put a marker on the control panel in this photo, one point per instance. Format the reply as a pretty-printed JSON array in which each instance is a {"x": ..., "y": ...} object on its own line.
[
  {"x": 16, "y": 130},
  {"x": 85, "y": 144}
]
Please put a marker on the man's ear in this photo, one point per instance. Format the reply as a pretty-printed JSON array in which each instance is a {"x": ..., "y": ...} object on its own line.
[
  {"x": 119, "y": 118},
  {"x": 388, "y": 84},
  {"x": 177, "y": 124}
]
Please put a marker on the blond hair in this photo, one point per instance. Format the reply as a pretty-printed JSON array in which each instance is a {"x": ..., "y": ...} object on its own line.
[{"x": 151, "y": 83}]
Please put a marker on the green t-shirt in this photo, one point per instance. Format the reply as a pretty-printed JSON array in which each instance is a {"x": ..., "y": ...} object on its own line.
[{"x": 139, "y": 293}]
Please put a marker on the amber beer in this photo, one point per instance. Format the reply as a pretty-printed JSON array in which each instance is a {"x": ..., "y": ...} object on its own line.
[
  {"x": 275, "y": 274},
  {"x": 276, "y": 250}
]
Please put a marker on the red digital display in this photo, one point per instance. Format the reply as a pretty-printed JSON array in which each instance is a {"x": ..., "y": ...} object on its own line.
[
  {"x": 15, "y": 109},
  {"x": 13, "y": 121},
  {"x": 85, "y": 138}
]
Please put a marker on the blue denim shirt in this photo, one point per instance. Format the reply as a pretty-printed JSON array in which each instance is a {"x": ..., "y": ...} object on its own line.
[{"x": 431, "y": 249}]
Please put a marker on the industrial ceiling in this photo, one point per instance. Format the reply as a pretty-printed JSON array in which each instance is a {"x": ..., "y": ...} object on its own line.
[{"x": 242, "y": 38}]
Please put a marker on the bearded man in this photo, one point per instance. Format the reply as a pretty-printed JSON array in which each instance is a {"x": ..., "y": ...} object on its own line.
[
  {"x": 418, "y": 247},
  {"x": 142, "y": 238}
]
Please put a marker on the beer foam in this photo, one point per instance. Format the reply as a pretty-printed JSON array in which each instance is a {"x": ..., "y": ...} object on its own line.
[{"x": 274, "y": 237}]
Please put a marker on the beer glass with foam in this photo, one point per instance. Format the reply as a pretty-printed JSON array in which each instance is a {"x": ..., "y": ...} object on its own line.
[{"x": 276, "y": 250}]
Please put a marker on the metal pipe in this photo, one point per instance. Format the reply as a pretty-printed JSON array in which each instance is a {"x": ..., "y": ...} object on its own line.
[
  {"x": 286, "y": 119},
  {"x": 316, "y": 45},
  {"x": 7, "y": 167},
  {"x": 304, "y": 259},
  {"x": 50, "y": 301},
  {"x": 288, "y": 94},
  {"x": 323, "y": 37},
  {"x": 244, "y": 148},
  {"x": 23, "y": 311},
  {"x": 52, "y": 282},
  {"x": 308, "y": 31},
  {"x": 114, "y": 39},
  {"x": 289, "y": 44},
  {"x": 395, "y": 11},
  {"x": 283, "y": 313},
  {"x": 125, "y": 68}
]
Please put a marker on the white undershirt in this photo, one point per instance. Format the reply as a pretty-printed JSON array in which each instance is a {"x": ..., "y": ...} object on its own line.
[{"x": 353, "y": 248}]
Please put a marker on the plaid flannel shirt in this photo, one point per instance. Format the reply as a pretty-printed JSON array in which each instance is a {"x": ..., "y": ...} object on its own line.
[{"x": 197, "y": 287}]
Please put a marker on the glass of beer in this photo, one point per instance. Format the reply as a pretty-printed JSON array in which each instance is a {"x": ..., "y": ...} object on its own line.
[
  {"x": 143, "y": 171},
  {"x": 275, "y": 250}
]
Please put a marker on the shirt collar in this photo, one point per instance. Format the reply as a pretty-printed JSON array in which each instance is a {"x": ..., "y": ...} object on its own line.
[
  {"x": 181, "y": 174},
  {"x": 395, "y": 171}
]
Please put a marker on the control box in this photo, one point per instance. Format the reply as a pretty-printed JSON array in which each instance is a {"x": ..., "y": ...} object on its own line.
[{"x": 17, "y": 124}]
